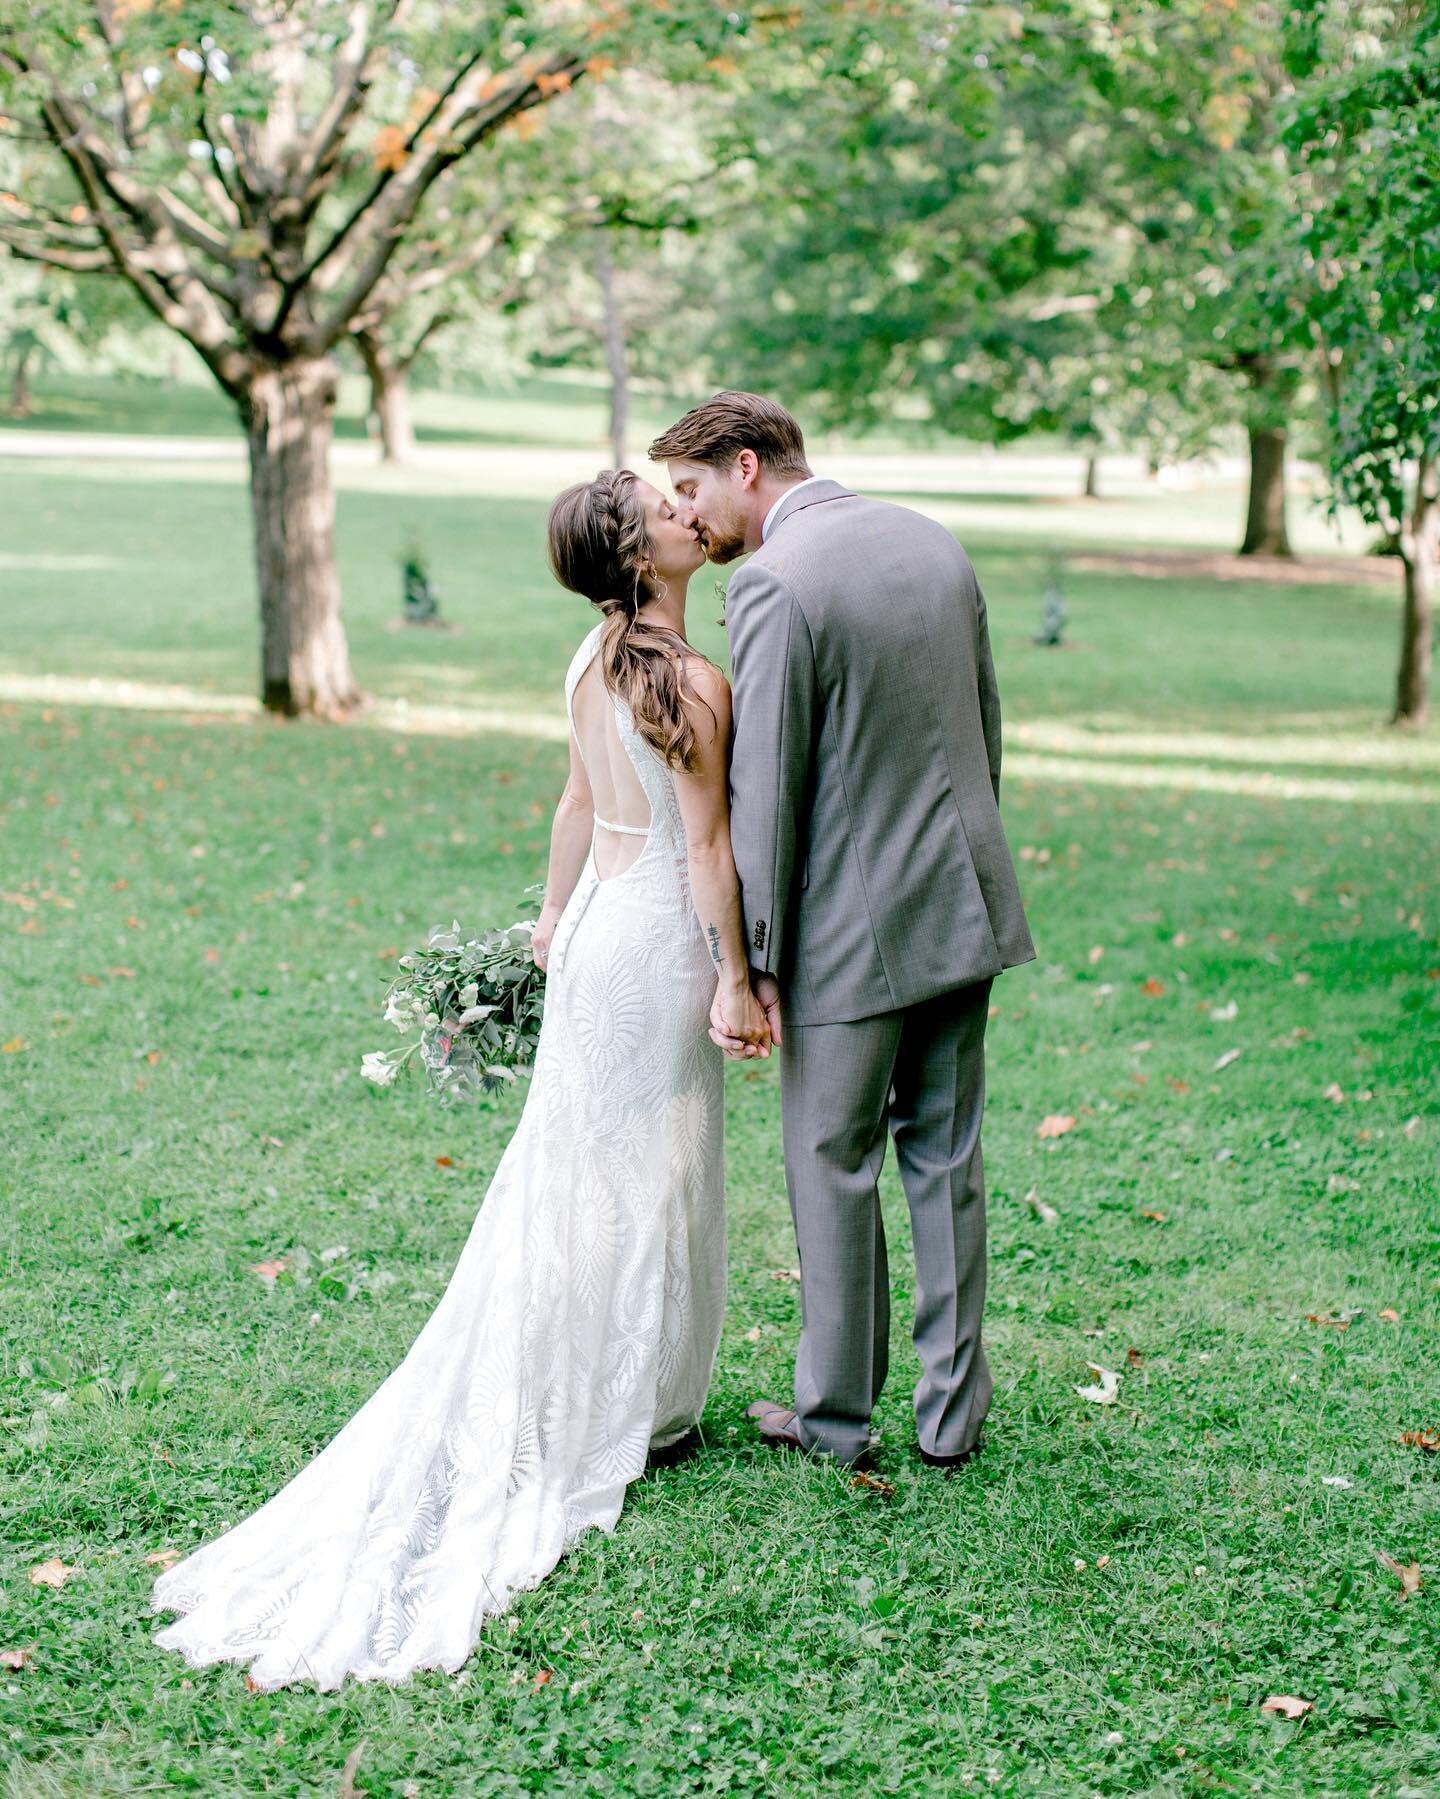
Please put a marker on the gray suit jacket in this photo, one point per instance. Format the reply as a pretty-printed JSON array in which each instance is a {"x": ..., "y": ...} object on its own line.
[{"x": 865, "y": 768}]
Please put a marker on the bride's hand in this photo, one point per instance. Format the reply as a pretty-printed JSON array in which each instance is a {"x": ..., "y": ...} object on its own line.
[
  {"x": 738, "y": 1023},
  {"x": 543, "y": 935}
]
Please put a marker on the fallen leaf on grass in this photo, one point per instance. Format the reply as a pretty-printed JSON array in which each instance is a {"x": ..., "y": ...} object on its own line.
[
  {"x": 1155, "y": 1217},
  {"x": 785, "y": 1274},
  {"x": 1409, "y": 1128},
  {"x": 53, "y": 1573},
  {"x": 250, "y": 1686},
  {"x": 1152, "y": 988},
  {"x": 753, "y": 1334},
  {"x": 1134, "y": 1357},
  {"x": 14, "y": 1045},
  {"x": 1286, "y": 1706},
  {"x": 872, "y": 1483},
  {"x": 1055, "y": 1124},
  {"x": 16, "y": 1658},
  {"x": 1428, "y": 1440},
  {"x": 444, "y": 1161},
  {"x": 122, "y": 974},
  {"x": 1104, "y": 1562},
  {"x": 268, "y": 1271},
  {"x": 1335, "y": 1093},
  {"x": 1224, "y": 1014},
  {"x": 271, "y": 1142},
  {"x": 349, "y": 1771},
  {"x": 1339, "y": 1321},
  {"x": 1138, "y": 1049},
  {"x": 1231, "y": 1055},
  {"x": 1108, "y": 1389},
  {"x": 1046, "y": 1214},
  {"x": 1178, "y": 1085},
  {"x": 1389, "y": 1315},
  {"x": 1407, "y": 1573},
  {"x": 543, "y": 1679},
  {"x": 1095, "y": 954},
  {"x": 162, "y": 1558}
]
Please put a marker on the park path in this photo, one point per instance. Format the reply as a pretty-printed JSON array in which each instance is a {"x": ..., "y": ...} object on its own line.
[{"x": 542, "y": 468}]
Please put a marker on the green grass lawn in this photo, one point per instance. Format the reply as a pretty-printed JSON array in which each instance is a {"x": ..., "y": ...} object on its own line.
[{"x": 197, "y": 917}]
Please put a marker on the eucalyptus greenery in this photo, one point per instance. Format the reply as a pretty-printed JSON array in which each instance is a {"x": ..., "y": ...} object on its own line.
[{"x": 471, "y": 1007}]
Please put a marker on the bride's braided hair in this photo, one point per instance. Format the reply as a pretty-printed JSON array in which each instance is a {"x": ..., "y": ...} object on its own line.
[{"x": 599, "y": 547}]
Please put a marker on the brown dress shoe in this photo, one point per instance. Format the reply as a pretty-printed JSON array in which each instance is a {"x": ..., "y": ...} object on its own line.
[{"x": 776, "y": 1424}]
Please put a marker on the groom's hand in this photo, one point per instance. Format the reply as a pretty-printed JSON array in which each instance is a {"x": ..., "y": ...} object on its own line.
[{"x": 767, "y": 991}]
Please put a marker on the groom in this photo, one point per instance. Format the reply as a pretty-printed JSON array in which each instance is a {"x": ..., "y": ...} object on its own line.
[{"x": 879, "y": 896}]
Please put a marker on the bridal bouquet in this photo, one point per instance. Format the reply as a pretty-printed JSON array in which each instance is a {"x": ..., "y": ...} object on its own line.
[{"x": 471, "y": 1006}]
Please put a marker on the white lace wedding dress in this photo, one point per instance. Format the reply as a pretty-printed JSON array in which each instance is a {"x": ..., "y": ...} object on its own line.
[{"x": 578, "y": 1330}]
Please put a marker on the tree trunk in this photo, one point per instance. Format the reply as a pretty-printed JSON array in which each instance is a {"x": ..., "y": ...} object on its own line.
[
  {"x": 1419, "y": 549},
  {"x": 616, "y": 356},
  {"x": 1092, "y": 476},
  {"x": 289, "y": 413},
  {"x": 1266, "y": 531},
  {"x": 20, "y": 384},
  {"x": 389, "y": 398}
]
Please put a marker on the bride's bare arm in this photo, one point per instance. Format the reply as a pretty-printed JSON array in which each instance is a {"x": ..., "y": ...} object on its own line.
[
  {"x": 570, "y": 836},
  {"x": 704, "y": 795}
]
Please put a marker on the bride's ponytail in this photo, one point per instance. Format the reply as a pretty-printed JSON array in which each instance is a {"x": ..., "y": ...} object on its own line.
[{"x": 599, "y": 548}]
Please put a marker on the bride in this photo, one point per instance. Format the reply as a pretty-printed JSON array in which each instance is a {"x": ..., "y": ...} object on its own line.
[{"x": 579, "y": 1330}]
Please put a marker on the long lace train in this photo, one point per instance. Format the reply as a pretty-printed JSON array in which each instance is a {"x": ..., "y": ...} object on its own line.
[{"x": 579, "y": 1327}]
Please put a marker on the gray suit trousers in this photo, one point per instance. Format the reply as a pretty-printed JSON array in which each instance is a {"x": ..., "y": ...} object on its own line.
[{"x": 920, "y": 1073}]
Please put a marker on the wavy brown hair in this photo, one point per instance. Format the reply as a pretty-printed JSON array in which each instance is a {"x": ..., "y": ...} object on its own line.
[{"x": 599, "y": 547}]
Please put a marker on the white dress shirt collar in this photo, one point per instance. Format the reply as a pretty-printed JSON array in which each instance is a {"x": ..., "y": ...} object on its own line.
[{"x": 809, "y": 481}]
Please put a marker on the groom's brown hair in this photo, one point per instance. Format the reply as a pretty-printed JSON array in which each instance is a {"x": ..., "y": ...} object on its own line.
[{"x": 727, "y": 423}]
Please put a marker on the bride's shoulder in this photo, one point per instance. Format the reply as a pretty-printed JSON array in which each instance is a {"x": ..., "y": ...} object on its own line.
[
  {"x": 703, "y": 678},
  {"x": 705, "y": 695}
]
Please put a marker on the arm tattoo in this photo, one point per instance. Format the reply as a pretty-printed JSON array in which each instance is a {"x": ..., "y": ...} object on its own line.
[{"x": 714, "y": 936}]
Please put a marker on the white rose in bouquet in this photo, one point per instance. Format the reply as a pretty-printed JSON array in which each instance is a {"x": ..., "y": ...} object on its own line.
[{"x": 379, "y": 1068}]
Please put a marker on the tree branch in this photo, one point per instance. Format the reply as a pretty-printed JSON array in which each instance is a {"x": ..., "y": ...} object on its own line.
[
  {"x": 396, "y": 203},
  {"x": 134, "y": 96},
  {"x": 443, "y": 316},
  {"x": 155, "y": 267},
  {"x": 356, "y": 68},
  {"x": 77, "y": 262},
  {"x": 388, "y": 175},
  {"x": 212, "y": 178}
]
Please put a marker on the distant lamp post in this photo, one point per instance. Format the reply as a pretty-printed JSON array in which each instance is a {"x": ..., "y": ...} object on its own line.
[{"x": 1053, "y": 610}]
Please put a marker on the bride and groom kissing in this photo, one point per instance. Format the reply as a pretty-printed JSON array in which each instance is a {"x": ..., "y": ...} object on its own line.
[{"x": 809, "y": 861}]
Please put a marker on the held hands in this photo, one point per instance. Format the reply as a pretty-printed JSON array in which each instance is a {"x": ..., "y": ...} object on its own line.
[{"x": 745, "y": 1021}]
